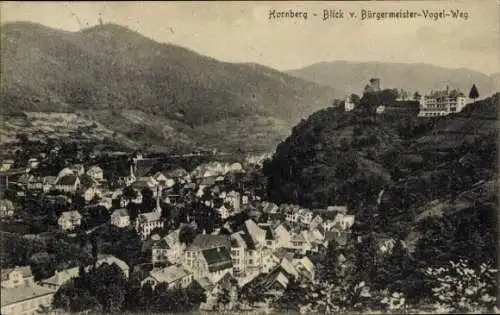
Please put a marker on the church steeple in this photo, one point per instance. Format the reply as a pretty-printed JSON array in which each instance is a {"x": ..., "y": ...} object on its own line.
[
  {"x": 132, "y": 171},
  {"x": 158, "y": 196}
]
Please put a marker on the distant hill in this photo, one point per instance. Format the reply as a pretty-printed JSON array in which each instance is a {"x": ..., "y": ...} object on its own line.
[
  {"x": 351, "y": 77},
  {"x": 114, "y": 69}
]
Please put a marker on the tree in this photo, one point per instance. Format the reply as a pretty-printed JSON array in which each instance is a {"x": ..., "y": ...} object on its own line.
[
  {"x": 292, "y": 298},
  {"x": 22, "y": 138},
  {"x": 366, "y": 252},
  {"x": 462, "y": 287},
  {"x": 224, "y": 297},
  {"x": 129, "y": 193},
  {"x": 330, "y": 268},
  {"x": 187, "y": 234},
  {"x": 148, "y": 201},
  {"x": 416, "y": 96},
  {"x": 355, "y": 99},
  {"x": 474, "y": 93},
  {"x": 403, "y": 94}
]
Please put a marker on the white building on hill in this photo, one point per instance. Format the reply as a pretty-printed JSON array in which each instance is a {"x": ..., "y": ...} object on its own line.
[
  {"x": 349, "y": 105},
  {"x": 442, "y": 103}
]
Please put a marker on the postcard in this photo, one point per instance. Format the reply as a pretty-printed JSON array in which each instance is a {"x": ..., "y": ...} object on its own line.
[{"x": 239, "y": 157}]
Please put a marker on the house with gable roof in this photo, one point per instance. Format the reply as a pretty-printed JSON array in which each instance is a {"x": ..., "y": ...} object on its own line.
[
  {"x": 269, "y": 260},
  {"x": 68, "y": 183},
  {"x": 17, "y": 276},
  {"x": 270, "y": 238},
  {"x": 175, "y": 277},
  {"x": 168, "y": 249},
  {"x": 233, "y": 198},
  {"x": 20, "y": 295},
  {"x": 60, "y": 278},
  {"x": 316, "y": 221},
  {"x": 69, "y": 220},
  {"x": 214, "y": 263},
  {"x": 238, "y": 253},
  {"x": 200, "y": 243},
  {"x": 305, "y": 267},
  {"x": 344, "y": 221},
  {"x": 120, "y": 218},
  {"x": 103, "y": 259},
  {"x": 96, "y": 173},
  {"x": 283, "y": 235},
  {"x": 146, "y": 222},
  {"x": 6, "y": 208}
]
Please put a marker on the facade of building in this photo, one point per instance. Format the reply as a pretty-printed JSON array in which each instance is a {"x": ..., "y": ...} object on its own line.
[
  {"x": 6, "y": 208},
  {"x": 214, "y": 263},
  {"x": 96, "y": 173},
  {"x": 69, "y": 220},
  {"x": 441, "y": 103},
  {"x": 120, "y": 218},
  {"x": 67, "y": 183},
  {"x": 203, "y": 242},
  {"x": 148, "y": 221},
  {"x": 168, "y": 249},
  {"x": 91, "y": 193},
  {"x": 20, "y": 295},
  {"x": 174, "y": 277},
  {"x": 60, "y": 278}
]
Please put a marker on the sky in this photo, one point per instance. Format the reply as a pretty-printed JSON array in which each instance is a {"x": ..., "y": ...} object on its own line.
[{"x": 243, "y": 32}]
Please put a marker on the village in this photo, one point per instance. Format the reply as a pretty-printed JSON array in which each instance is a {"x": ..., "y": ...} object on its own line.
[
  {"x": 241, "y": 240},
  {"x": 209, "y": 224}
]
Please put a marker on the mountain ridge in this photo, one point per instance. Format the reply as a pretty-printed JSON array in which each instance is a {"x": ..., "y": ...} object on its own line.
[
  {"x": 110, "y": 67},
  {"x": 350, "y": 76}
]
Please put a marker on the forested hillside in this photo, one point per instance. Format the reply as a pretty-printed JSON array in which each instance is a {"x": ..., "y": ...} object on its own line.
[
  {"x": 428, "y": 182},
  {"x": 111, "y": 71}
]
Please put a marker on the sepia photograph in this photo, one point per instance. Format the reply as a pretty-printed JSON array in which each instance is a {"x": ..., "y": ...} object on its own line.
[{"x": 249, "y": 157}]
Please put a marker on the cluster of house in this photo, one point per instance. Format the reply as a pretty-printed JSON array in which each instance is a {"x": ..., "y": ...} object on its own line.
[
  {"x": 271, "y": 252},
  {"x": 171, "y": 187},
  {"x": 20, "y": 294}
]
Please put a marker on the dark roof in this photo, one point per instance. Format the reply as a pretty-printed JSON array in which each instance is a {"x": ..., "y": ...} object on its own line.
[
  {"x": 217, "y": 258},
  {"x": 208, "y": 241},
  {"x": 87, "y": 181},
  {"x": 247, "y": 238},
  {"x": 161, "y": 244},
  {"x": 269, "y": 231},
  {"x": 69, "y": 179},
  {"x": 272, "y": 276},
  {"x": 145, "y": 166}
]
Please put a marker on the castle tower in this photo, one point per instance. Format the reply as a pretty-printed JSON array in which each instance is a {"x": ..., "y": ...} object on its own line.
[{"x": 375, "y": 84}]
